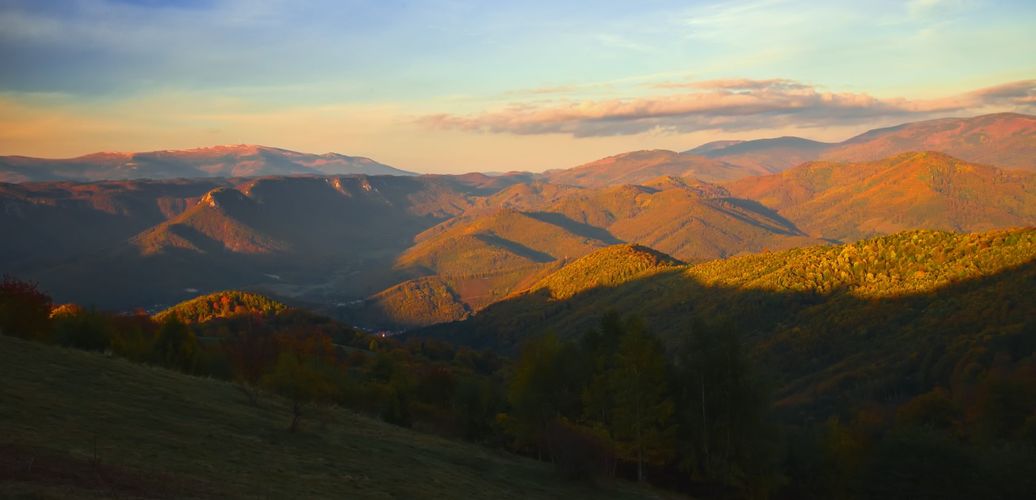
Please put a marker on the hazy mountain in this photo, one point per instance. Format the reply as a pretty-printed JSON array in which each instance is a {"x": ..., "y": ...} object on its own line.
[
  {"x": 772, "y": 155},
  {"x": 1006, "y": 140},
  {"x": 326, "y": 237},
  {"x": 218, "y": 161},
  {"x": 640, "y": 166},
  {"x": 55, "y": 221},
  {"x": 848, "y": 201}
]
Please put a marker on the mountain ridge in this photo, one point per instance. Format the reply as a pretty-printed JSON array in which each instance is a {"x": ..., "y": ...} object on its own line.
[{"x": 241, "y": 160}]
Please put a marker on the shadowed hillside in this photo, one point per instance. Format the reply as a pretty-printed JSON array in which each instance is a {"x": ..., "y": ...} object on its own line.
[
  {"x": 833, "y": 323},
  {"x": 307, "y": 236},
  {"x": 60, "y": 220},
  {"x": 92, "y": 426}
]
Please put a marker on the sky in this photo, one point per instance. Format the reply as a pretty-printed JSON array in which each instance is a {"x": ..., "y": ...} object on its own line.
[{"x": 455, "y": 86}]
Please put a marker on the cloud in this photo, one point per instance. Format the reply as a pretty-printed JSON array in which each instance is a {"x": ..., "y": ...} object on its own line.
[
  {"x": 726, "y": 105},
  {"x": 736, "y": 84}
]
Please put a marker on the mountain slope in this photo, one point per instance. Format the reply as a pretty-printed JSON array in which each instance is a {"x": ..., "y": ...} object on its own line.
[
  {"x": 847, "y": 201},
  {"x": 98, "y": 427},
  {"x": 640, "y": 166},
  {"x": 56, "y": 221},
  {"x": 219, "y": 161},
  {"x": 687, "y": 219},
  {"x": 1006, "y": 140},
  {"x": 219, "y": 221},
  {"x": 479, "y": 262}
]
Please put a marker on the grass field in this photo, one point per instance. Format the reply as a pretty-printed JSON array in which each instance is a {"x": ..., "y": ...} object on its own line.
[{"x": 79, "y": 424}]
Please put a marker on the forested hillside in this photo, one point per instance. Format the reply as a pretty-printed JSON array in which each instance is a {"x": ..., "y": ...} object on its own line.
[{"x": 834, "y": 323}]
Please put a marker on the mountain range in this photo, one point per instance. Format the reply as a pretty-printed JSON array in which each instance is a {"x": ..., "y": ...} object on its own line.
[{"x": 405, "y": 251}]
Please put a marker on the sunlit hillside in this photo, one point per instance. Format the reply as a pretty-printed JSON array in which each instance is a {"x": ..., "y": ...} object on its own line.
[{"x": 847, "y": 201}]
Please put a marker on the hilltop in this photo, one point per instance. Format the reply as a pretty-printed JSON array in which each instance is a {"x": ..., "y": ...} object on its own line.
[
  {"x": 222, "y": 305},
  {"x": 609, "y": 266}
]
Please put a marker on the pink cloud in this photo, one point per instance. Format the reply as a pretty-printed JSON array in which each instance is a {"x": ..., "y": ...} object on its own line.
[{"x": 736, "y": 104}]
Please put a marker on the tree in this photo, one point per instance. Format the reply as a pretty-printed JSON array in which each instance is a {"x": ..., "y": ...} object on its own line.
[
  {"x": 176, "y": 345},
  {"x": 301, "y": 379},
  {"x": 475, "y": 403},
  {"x": 82, "y": 329},
  {"x": 724, "y": 435},
  {"x": 24, "y": 310},
  {"x": 252, "y": 353},
  {"x": 642, "y": 415},
  {"x": 534, "y": 393}
]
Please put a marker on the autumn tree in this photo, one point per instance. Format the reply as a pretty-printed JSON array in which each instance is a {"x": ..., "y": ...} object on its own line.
[
  {"x": 305, "y": 371},
  {"x": 24, "y": 309},
  {"x": 176, "y": 345},
  {"x": 252, "y": 352},
  {"x": 82, "y": 329}
]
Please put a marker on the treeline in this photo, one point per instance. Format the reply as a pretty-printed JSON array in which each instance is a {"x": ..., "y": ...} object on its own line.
[
  {"x": 309, "y": 360},
  {"x": 697, "y": 417}
]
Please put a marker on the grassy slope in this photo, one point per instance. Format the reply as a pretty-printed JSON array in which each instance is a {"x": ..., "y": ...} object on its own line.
[{"x": 169, "y": 434}]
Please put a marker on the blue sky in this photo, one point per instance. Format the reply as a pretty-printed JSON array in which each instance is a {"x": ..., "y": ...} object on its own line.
[{"x": 453, "y": 86}]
